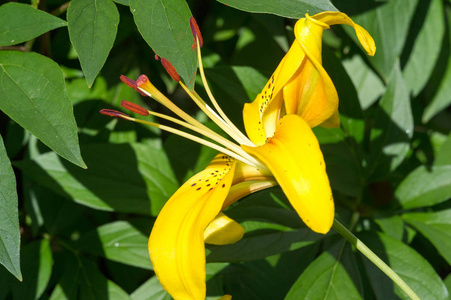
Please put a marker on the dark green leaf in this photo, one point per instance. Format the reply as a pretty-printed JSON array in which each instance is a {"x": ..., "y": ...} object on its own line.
[
  {"x": 33, "y": 94},
  {"x": 285, "y": 8},
  {"x": 369, "y": 86},
  {"x": 425, "y": 50},
  {"x": 408, "y": 264},
  {"x": 333, "y": 275},
  {"x": 37, "y": 267},
  {"x": 342, "y": 164},
  {"x": 424, "y": 187},
  {"x": 120, "y": 241},
  {"x": 164, "y": 25},
  {"x": 392, "y": 226},
  {"x": 151, "y": 289},
  {"x": 83, "y": 280},
  {"x": 31, "y": 23},
  {"x": 388, "y": 23},
  {"x": 9, "y": 220},
  {"x": 92, "y": 30},
  {"x": 436, "y": 227},
  {"x": 393, "y": 128},
  {"x": 264, "y": 245},
  {"x": 125, "y": 178}
]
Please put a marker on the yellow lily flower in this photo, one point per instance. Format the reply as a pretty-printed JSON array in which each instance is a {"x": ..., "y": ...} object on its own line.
[{"x": 280, "y": 148}]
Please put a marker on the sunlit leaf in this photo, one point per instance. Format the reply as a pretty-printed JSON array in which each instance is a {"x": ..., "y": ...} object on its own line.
[
  {"x": 131, "y": 178},
  {"x": 92, "y": 30},
  {"x": 9, "y": 220},
  {"x": 164, "y": 25},
  {"x": 31, "y": 23},
  {"x": 408, "y": 264},
  {"x": 425, "y": 187},
  {"x": 120, "y": 241},
  {"x": 436, "y": 227},
  {"x": 33, "y": 94},
  {"x": 285, "y": 8}
]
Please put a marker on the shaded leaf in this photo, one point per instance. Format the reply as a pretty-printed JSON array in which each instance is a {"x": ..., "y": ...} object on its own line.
[
  {"x": 392, "y": 226},
  {"x": 333, "y": 275},
  {"x": 164, "y": 25},
  {"x": 443, "y": 157},
  {"x": 388, "y": 23},
  {"x": 393, "y": 128},
  {"x": 9, "y": 220},
  {"x": 33, "y": 94},
  {"x": 120, "y": 241},
  {"x": 83, "y": 280},
  {"x": 37, "y": 267},
  {"x": 92, "y": 30},
  {"x": 131, "y": 178},
  {"x": 425, "y": 50},
  {"x": 408, "y": 264},
  {"x": 436, "y": 227},
  {"x": 151, "y": 289},
  {"x": 369, "y": 86},
  {"x": 284, "y": 8},
  {"x": 32, "y": 23},
  {"x": 424, "y": 187}
]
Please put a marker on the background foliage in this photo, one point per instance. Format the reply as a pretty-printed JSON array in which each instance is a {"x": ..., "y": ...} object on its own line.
[{"x": 79, "y": 191}]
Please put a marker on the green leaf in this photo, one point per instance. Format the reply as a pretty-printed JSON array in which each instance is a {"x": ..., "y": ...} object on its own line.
[
  {"x": 9, "y": 220},
  {"x": 284, "y": 8},
  {"x": 31, "y": 23},
  {"x": 392, "y": 226},
  {"x": 151, "y": 289},
  {"x": 121, "y": 241},
  {"x": 443, "y": 157},
  {"x": 130, "y": 178},
  {"x": 369, "y": 86},
  {"x": 83, "y": 280},
  {"x": 388, "y": 23},
  {"x": 393, "y": 128},
  {"x": 333, "y": 275},
  {"x": 164, "y": 25},
  {"x": 425, "y": 187},
  {"x": 342, "y": 162},
  {"x": 440, "y": 99},
  {"x": 408, "y": 264},
  {"x": 37, "y": 267},
  {"x": 260, "y": 246},
  {"x": 33, "y": 94},
  {"x": 436, "y": 227},
  {"x": 425, "y": 51},
  {"x": 92, "y": 30}
]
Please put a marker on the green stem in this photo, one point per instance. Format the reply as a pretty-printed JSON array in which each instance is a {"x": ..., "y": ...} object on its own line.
[{"x": 344, "y": 232}]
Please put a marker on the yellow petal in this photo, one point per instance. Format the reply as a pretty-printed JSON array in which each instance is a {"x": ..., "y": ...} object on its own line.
[
  {"x": 333, "y": 17},
  {"x": 295, "y": 159},
  {"x": 310, "y": 93},
  {"x": 176, "y": 244},
  {"x": 223, "y": 231}
]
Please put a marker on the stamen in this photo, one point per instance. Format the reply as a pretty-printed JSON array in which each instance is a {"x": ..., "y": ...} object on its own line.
[
  {"x": 131, "y": 83},
  {"x": 238, "y": 135},
  {"x": 196, "y": 32},
  {"x": 135, "y": 108},
  {"x": 114, "y": 113},
  {"x": 170, "y": 69}
]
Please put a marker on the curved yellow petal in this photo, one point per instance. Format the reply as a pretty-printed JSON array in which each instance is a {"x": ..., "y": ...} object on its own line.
[
  {"x": 294, "y": 157},
  {"x": 223, "y": 231},
  {"x": 334, "y": 17},
  {"x": 311, "y": 93},
  {"x": 176, "y": 244}
]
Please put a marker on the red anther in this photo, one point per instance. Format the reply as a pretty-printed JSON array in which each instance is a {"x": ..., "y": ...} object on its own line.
[
  {"x": 134, "y": 108},
  {"x": 157, "y": 57},
  {"x": 131, "y": 83},
  {"x": 196, "y": 32},
  {"x": 170, "y": 69},
  {"x": 113, "y": 113}
]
